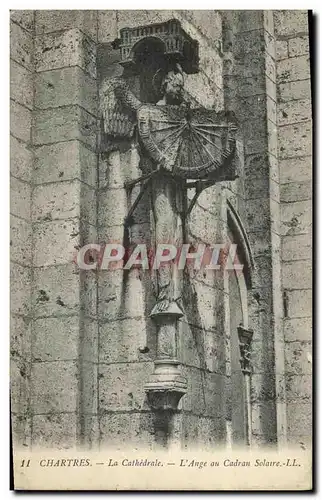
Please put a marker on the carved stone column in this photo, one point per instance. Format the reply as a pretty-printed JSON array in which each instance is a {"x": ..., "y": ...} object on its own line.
[
  {"x": 166, "y": 385},
  {"x": 245, "y": 337}
]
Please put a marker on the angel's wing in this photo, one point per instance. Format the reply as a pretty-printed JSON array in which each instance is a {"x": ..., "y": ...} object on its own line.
[{"x": 119, "y": 106}]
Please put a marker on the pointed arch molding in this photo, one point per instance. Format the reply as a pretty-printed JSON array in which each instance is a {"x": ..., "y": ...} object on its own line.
[{"x": 241, "y": 239}]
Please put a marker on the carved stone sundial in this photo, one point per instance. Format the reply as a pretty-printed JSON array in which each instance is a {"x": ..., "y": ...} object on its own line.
[{"x": 189, "y": 143}]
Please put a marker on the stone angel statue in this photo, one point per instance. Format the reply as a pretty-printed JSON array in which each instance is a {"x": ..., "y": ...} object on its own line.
[
  {"x": 191, "y": 143},
  {"x": 181, "y": 142}
]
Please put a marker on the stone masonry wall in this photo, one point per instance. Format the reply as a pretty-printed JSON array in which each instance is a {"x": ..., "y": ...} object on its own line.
[
  {"x": 294, "y": 120},
  {"x": 82, "y": 343},
  {"x": 21, "y": 106}
]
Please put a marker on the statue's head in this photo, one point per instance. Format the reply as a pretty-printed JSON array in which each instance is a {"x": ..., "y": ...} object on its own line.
[{"x": 171, "y": 85}]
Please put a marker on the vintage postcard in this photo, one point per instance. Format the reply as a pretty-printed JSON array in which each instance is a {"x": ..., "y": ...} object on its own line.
[{"x": 161, "y": 235}]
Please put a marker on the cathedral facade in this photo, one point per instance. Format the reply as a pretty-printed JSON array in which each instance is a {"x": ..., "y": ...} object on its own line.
[{"x": 135, "y": 129}]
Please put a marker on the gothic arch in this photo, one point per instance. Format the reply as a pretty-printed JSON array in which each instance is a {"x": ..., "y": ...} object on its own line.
[
  {"x": 239, "y": 285},
  {"x": 241, "y": 239}
]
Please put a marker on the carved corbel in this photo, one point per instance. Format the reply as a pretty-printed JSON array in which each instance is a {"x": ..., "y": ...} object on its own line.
[{"x": 245, "y": 338}]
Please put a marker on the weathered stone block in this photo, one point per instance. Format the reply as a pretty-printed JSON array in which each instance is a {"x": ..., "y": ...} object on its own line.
[
  {"x": 201, "y": 348},
  {"x": 300, "y": 303},
  {"x": 20, "y": 279},
  {"x": 48, "y": 21},
  {"x": 19, "y": 385},
  {"x": 62, "y": 87},
  {"x": 68, "y": 48},
  {"x": 65, "y": 161},
  {"x": 56, "y": 242},
  {"x": 20, "y": 241},
  {"x": 63, "y": 124},
  {"x": 20, "y": 121},
  {"x": 141, "y": 431},
  {"x": 90, "y": 431},
  {"x": 297, "y": 274},
  {"x": 56, "y": 290},
  {"x": 298, "y": 358},
  {"x": 299, "y": 419},
  {"x": 209, "y": 23},
  {"x": 290, "y": 22},
  {"x": 198, "y": 86},
  {"x": 199, "y": 227},
  {"x": 21, "y": 46},
  {"x": 21, "y": 84},
  {"x": 54, "y": 387},
  {"x": 121, "y": 386},
  {"x": 271, "y": 109},
  {"x": 260, "y": 351},
  {"x": 257, "y": 188},
  {"x": 88, "y": 293},
  {"x": 250, "y": 53},
  {"x": 255, "y": 134},
  {"x": 89, "y": 333},
  {"x": 296, "y": 247},
  {"x": 295, "y": 169},
  {"x": 294, "y": 90},
  {"x": 258, "y": 214},
  {"x": 263, "y": 389},
  {"x": 270, "y": 45},
  {"x": 56, "y": 339},
  {"x": 295, "y": 140},
  {"x": 121, "y": 340},
  {"x": 298, "y": 329},
  {"x": 64, "y": 200},
  {"x": 281, "y": 48},
  {"x": 263, "y": 419},
  {"x": 264, "y": 269},
  {"x": 208, "y": 303},
  {"x": 294, "y": 112},
  {"x": 296, "y": 191},
  {"x": 21, "y": 159},
  {"x": 20, "y": 337},
  {"x": 245, "y": 86},
  {"x": 296, "y": 218},
  {"x": 298, "y": 387},
  {"x": 124, "y": 295},
  {"x": 107, "y": 26},
  {"x": 89, "y": 391},
  {"x": 299, "y": 46},
  {"x": 200, "y": 432},
  {"x": 25, "y": 18},
  {"x": 204, "y": 393},
  {"x": 57, "y": 431},
  {"x": 270, "y": 87},
  {"x": 270, "y": 67},
  {"x": 21, "y": 430},
  {"x": 272, "y": 142},
  {"x": 20, "y": 198},
  {"x": 293, "y": 69}
]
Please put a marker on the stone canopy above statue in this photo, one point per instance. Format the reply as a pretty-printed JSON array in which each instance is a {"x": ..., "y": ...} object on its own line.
[
  {"x": 149, "y": 101},
  {"x": 170, "y": 44}
]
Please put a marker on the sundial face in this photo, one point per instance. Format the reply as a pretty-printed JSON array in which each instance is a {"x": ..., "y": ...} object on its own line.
[{"x": 189, "y": 143}]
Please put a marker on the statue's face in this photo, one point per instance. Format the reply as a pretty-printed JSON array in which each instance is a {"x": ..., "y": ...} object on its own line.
[{"x": 173, "y": 85}]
